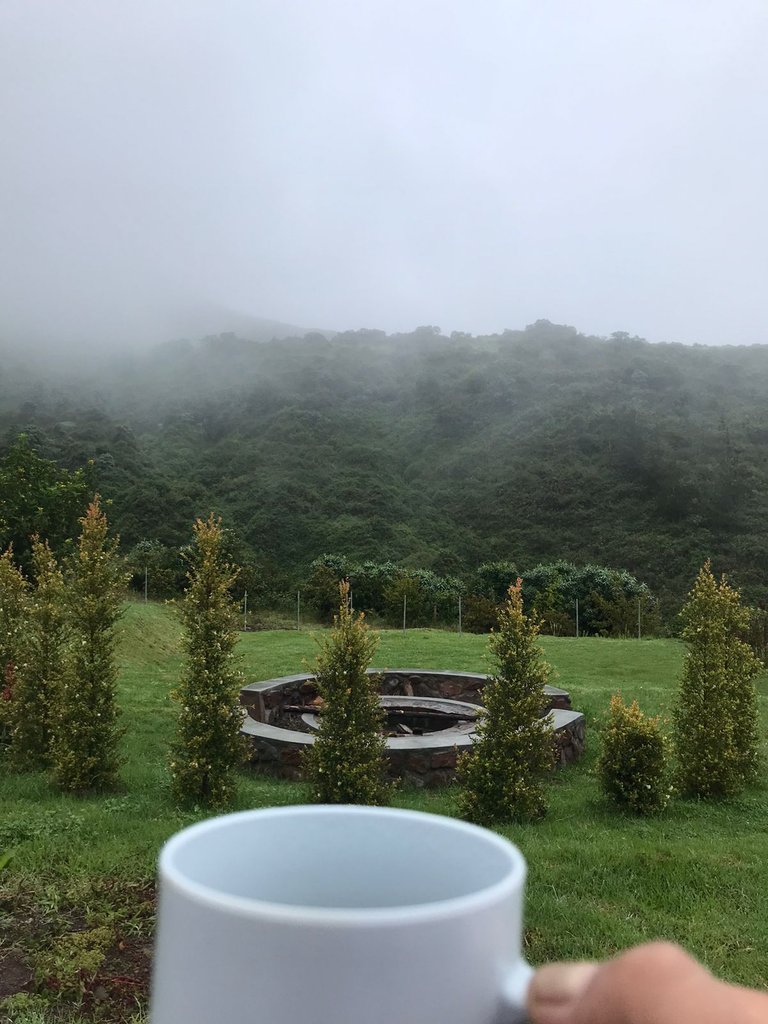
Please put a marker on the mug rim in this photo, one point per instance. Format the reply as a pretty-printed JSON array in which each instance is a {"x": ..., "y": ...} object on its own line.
[{"x": 252, "y": 907}]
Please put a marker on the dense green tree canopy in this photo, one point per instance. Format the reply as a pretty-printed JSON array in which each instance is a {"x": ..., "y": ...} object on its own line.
[
  {"x": 427, "y": 451},
  {"x": 37, "y": 497}
]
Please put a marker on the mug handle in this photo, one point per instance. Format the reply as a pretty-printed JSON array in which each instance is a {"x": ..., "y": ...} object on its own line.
[{"x": 515, "y": 993}]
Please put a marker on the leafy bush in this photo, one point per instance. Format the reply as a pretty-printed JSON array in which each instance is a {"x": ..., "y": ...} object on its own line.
[
  {"x": 430, "y": 599},
  {"x": 368, "y": 582},
  {"x": 502, "y": 779},
  {"x": 162, "y": 564},
  {"x": 756, "y": 633},
  {"x": 716, "y": 714},
  {"x": 617, "y": 614},
  {"x": 633, "y": 766},
  {"x": 346, "y": 764},
  {"x": 607, "y": 598},
  {"x": 378, "y": 588},
  {"x": 208, "y": 746},
  {"x": 479, "y": 615},
  {"x": 321, "y": 588},
  {"x": 549, "y": 608},
  {"x": 492, "y": 580}
]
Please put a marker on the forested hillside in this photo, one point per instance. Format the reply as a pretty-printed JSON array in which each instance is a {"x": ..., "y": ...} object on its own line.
[{"x": 432, "y": 451}]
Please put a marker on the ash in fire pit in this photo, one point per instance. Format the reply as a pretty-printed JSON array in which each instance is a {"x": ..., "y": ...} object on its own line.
[{"x": 413, "y": 716}]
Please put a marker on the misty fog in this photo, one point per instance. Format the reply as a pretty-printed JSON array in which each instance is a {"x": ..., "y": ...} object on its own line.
[{"x": 178, "y": 167}]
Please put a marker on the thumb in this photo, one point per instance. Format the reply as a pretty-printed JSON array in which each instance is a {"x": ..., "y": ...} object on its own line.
[{"x": 654, "y": 984}]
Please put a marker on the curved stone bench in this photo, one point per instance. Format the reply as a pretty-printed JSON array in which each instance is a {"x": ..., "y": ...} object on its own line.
[{"x": 428, "y": 760}]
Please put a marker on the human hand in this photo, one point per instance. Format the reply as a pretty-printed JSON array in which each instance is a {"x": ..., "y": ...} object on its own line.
[{"x": 654, "y": 984}]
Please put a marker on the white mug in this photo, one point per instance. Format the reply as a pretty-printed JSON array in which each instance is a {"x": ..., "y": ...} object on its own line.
[{"x": 339, "y": 915}]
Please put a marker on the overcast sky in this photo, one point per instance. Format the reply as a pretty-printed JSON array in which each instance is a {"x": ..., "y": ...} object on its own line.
[{"x": 475, "y": 164}]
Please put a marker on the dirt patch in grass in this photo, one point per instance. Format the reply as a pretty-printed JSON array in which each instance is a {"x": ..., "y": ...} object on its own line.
[
  {"x": 15, "y": 973},
  {"x": 121, "y": 984},
  {"x": 89, "y": 955}
]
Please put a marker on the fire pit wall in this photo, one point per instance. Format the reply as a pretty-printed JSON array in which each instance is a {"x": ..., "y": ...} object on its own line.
[{"x": 428, "y": 760}]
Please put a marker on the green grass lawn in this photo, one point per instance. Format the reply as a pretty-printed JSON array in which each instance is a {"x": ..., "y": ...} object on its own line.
[{"x": 79, "y": 883}]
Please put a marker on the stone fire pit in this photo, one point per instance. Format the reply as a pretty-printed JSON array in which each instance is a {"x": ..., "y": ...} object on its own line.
[{"x": 431, "y": 719}]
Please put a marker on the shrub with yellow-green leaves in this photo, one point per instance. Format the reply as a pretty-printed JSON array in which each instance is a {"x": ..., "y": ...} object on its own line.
[
  {"x": 634, "y": 766},
  {"x": 39, "y": 676},
  {"x": 716, "y": 722},
  {"x": 345, "y": 764},
  {"x": 86, "y": 736},
  {"x": 13, "y": 605},
  {"x": 208, "y": 748},
  {"x": 503, "y": 778}
]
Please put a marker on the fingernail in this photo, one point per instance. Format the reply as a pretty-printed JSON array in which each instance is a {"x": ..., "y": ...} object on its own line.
[{"x": 560, "y": 983}]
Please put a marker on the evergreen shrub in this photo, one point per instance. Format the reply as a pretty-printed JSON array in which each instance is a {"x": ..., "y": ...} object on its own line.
[
  {"x": 86, "y": 738},
  {"x": 634, "y": 767},
  {"x": 208, "y": 748},
  {"x": 716, "y": 716},
  {"x": 41, "y": 670},
  {"x": 503, "y": 778},
  {"x": 13, "y": 605},
  {"x": 345, "y": 764}
]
